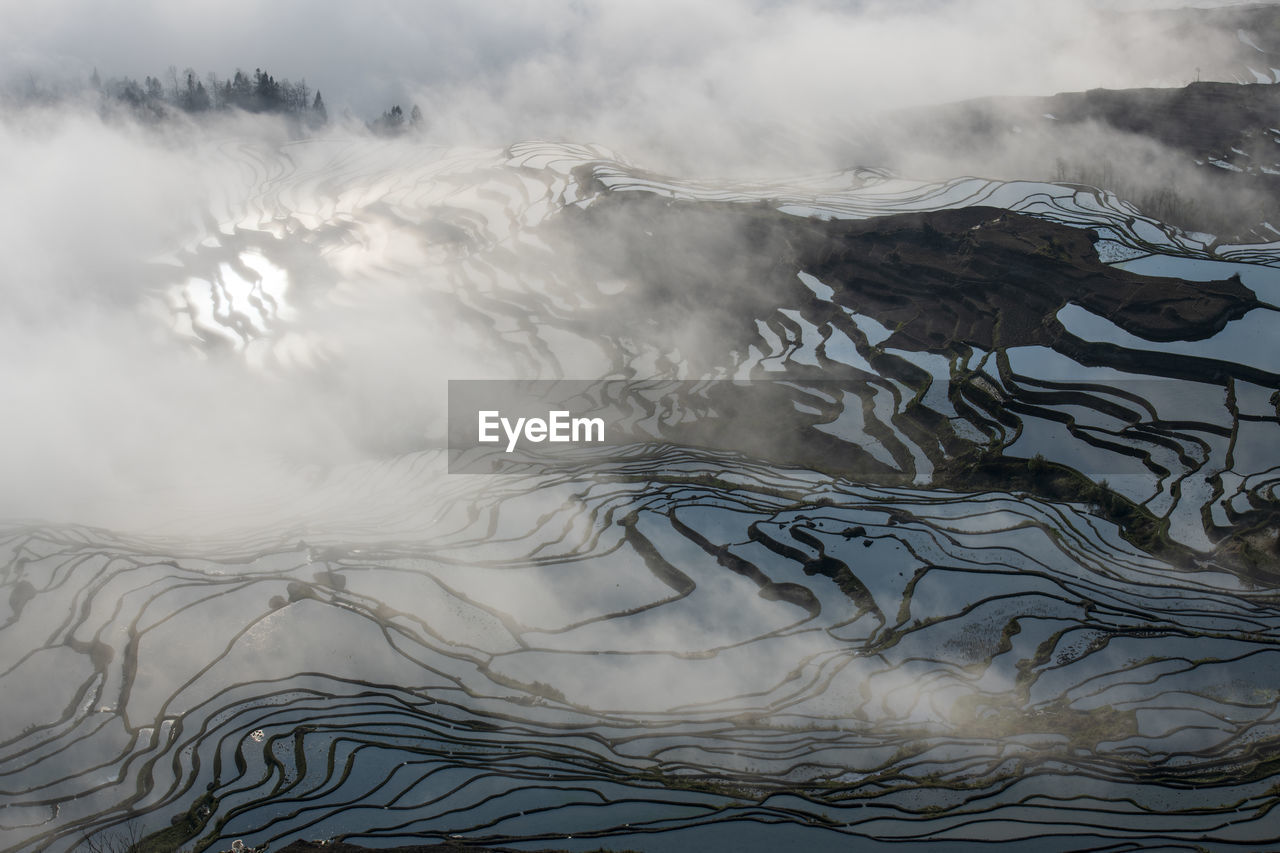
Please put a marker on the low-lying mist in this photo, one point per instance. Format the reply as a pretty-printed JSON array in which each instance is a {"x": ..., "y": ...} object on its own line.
[
  {"x": 1167, "y": 183},
  {"x": 108, "y": 406},
  {"x": 109, "y": 409},
  {"x": 732, "y": 88}
]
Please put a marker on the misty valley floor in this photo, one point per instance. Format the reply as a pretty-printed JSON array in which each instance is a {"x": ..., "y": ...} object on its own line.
[{"x": 945, "y": 515}]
